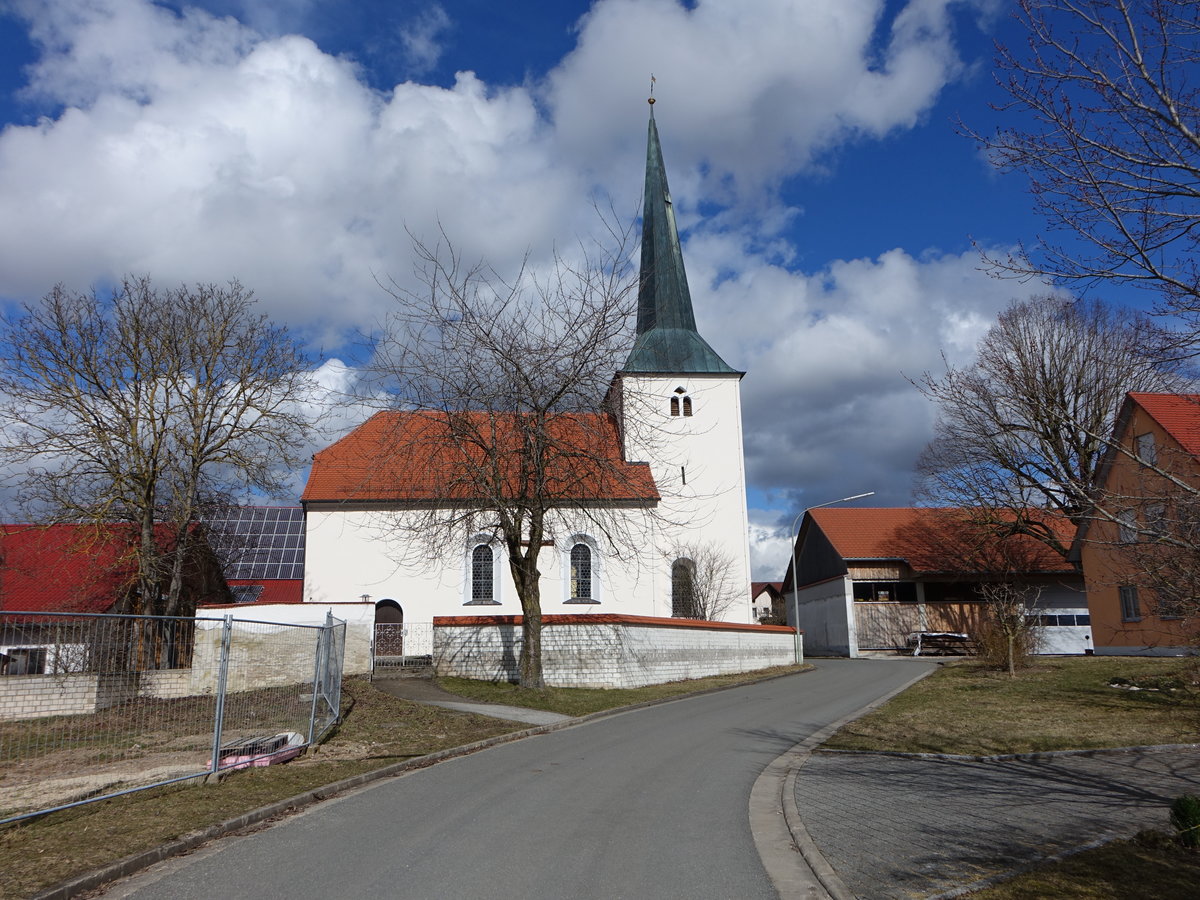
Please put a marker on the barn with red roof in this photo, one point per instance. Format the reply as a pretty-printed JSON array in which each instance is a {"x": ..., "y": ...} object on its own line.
[
  {"x": 878, "y": 579},
  {"x": 66, "y": 568}
]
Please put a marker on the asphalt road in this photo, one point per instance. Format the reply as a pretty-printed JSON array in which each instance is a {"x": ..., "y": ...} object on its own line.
[{"x": 646, "y": 804}]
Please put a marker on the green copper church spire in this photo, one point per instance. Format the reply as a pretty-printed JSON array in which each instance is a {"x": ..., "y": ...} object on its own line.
[{"x": 667, "y": 340}]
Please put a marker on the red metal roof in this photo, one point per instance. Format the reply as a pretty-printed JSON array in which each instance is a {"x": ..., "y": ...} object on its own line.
[
  {"x": 277, "y": 590},
  {"x": 1178, "y": 414},
  {"x": 64, "y": 568},
  {"x": 428, "y": 456},
  {"x": 934, "y": 540}
]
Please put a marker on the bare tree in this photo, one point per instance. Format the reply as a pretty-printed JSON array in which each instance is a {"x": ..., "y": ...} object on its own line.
[
  {"x": 131, "y": 408},
  {"x": 1025, "y": 426},
  {"x": 1109, "y": 108},
  {"x": 706, "y": 586},
  {"x": 503, "y": 385},
  {"x": 1009, "y": 635}
]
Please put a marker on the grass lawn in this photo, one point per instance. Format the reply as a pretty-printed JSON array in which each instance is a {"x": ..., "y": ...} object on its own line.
[
  {"x": 1150, "y": 865},
  {"x": 1055, "y": 704},
  {"x": 581, "y": 701}
]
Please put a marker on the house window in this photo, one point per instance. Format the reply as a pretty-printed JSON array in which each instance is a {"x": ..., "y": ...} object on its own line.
[
  {"x": 1170, "y": 606},
  {"x": 1129, "y": 604},
  {"x": 1155, "y": 522},
  {"x": 1126, "y": 527},
  {"x": 683, "y": 589},
  {"x": 1145, "y": 449},
  {"x": 581, "y": 572},
  {"x": 23, "y": 661},
  {"x": 482, "y": 578}
]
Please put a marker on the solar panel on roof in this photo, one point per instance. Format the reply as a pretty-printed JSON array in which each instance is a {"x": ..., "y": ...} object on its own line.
[{"x": 259, "y": 542}]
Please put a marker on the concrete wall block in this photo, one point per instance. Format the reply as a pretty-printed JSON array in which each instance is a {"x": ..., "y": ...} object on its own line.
[{"x": 607, "y": 654}]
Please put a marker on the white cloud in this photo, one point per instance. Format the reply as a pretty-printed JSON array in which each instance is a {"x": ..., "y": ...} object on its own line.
[
  {"x": 421, "y": 39},
  {"x": 753, "y": 93},
  {"x": 197, "y": 148},
  {"x": 828, "y": 406}
]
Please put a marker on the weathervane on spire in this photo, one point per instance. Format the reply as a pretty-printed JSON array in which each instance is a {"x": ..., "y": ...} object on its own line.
[{"x": 652, "y": 80}]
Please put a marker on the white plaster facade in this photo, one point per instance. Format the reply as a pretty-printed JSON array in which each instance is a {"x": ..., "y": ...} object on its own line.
[{"x": 356, "y": 550}]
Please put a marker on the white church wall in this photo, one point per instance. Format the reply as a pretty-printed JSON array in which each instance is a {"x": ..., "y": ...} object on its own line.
[{"x": 352, "y": 553}]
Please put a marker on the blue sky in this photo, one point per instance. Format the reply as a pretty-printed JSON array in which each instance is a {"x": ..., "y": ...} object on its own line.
[{"x": 828, "y": 206}]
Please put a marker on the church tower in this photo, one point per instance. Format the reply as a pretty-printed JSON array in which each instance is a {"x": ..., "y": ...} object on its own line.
[{"x": 681, "y": 412}]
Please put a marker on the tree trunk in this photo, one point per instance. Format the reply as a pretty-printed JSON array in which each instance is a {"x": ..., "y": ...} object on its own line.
[{"x": 527, "y": 579}]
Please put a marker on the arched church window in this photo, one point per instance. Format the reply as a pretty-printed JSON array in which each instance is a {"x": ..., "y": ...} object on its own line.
[
  {"x": 674, "y": 406},
  {"x": 687, "y": 406},
  {"x": 581, "y": 572},
  {"x": 482, "y": 588},
  {"x": 683, "y": 589}
]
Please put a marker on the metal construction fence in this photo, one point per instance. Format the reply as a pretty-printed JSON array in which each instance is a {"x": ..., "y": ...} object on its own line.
[{"x": 93, "y": 706}]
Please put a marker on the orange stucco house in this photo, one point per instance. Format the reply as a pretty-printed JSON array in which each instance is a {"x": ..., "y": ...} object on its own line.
[{"x": 1137, "y": 556}]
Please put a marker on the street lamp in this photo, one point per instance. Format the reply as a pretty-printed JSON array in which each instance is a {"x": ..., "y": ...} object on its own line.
[{"x": 795, "y": 590}]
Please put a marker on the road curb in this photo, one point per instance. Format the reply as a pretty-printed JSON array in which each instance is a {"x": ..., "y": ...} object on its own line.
[
  {"x": 129, "y": 865},
  {"x": 1040, "y": 756},
  {"x": 778, "y": 827}
]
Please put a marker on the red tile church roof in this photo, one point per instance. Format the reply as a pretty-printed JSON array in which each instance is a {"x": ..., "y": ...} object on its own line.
[{"x": 415, "y": 456}]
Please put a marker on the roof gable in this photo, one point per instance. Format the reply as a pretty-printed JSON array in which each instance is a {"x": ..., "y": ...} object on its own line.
[
  {"x": 451, "y": 457},
  {"x": 1177, "y": 414}
]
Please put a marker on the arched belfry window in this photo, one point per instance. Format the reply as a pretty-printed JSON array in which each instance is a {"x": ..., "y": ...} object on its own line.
[
  {"x": 581, "y": 572},
  {"x": 482, "y": 580},
  {"x": 683, "y": 589},
  {"x": 681, "y": 402}
]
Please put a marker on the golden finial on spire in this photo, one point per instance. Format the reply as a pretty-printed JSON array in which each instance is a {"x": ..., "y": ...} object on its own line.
[{"x": 652, "y": 80}]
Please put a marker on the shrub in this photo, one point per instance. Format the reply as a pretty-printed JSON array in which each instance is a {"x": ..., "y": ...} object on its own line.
[
  {"x": 992, "y": 642},
  {"x": 1185, "y": 819}
]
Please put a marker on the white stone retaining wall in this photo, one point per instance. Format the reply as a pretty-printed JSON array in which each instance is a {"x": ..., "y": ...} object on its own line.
[{"x": 609, "y": 651}]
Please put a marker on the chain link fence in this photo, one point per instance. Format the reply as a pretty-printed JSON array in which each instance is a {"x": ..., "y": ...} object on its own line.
[{"x": 93, "y": 706}]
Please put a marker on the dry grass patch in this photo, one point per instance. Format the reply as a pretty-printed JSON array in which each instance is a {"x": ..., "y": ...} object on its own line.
[
  {"x": 1056, "y": 704},
  {"x": 582, "y": 701},
  {"x": 377, "y": 730},
  {"x": 1150, "y": 865}
]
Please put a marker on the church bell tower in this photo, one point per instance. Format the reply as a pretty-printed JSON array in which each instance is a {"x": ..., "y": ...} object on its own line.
[{"x": 681, "y": 412}]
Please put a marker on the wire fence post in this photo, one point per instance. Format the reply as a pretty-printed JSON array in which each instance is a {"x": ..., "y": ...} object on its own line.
[
  {"x": 222, "y": 681},
  {"x": 335, "y": 666},
  {"x": 318, "y": 668}
]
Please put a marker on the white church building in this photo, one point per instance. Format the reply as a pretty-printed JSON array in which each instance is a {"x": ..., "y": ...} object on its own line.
[{"x": 676, "y": 480}]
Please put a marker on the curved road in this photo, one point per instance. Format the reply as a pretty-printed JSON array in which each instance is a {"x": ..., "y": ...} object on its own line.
[{"x": 648, "y": 803}]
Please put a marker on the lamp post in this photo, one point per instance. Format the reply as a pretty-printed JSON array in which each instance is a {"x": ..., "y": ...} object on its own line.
[{"x": 795, "y": 529}]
